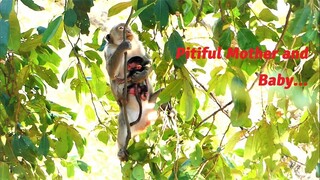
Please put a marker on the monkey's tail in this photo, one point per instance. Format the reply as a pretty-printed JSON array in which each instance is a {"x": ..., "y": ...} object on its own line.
[{"x": 140, "y": 108}]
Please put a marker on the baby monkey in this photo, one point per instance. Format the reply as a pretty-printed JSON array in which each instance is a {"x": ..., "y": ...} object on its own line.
[{"x": 137, "y": 64}]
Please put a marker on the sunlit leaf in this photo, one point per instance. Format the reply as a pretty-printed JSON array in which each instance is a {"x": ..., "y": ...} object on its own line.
[
  {"x": 89, "y": 112},
  {"x": 267, "y": 16},
  {"x": 103, "y": 136},
  {"x": 233, "y": 141},
  {"x": 70, "y": 169},
  {"x": 187, "y": 106},
  {"x": 98, "y": 81},
  {"x": 119, "y": 7},
  {"x": 15, "y": 36}
]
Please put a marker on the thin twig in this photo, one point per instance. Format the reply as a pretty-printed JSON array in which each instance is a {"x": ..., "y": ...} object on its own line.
[
  {"x": 84, "y": 76},
  {"x": 224, "y": 134}
]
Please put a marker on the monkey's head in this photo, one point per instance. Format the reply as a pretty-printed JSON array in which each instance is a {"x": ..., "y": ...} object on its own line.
[{"x": 116, "y": 34}]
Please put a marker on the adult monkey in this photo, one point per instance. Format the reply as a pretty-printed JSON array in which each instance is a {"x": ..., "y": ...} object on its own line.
[{"x": 114, "y": 55}]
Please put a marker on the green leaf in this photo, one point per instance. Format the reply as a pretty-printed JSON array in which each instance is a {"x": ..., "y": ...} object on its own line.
[
  {"x": 15, "y": 35},
  {"x": 300, "y": 20},
  {"x": 32, "y": 5},
  {"x": 226, "y": 37},
  {"x": 50, "y": 166},
  {"x": 264, "y": 32},
  {"x": 5, "y": 8},
  {"x": 70, "y": 169},
  {"x": 233, "y": 141},
  {"x": 310, "y": 35},
  {"x": 83, "y": 21},
  {"x": 139, "y": 11},
  {"x": 170, "y": 91},
  {"x": 174, "y": 42},
  {"x": 61, "y": 148},
  {"x": 242, "y": 103},
  {"x": 138, "y": 172},
  {"x": 187, "y": 106},
  {"x": 147, "y": 15},
  {"x": 103, "y": 136},
  {"x": 267, "y": 16},
  {"x": 4, "y": 37},
  {"x": 76, "y": 137},
  {"x": 83, "y": 166},
  {"x": 250, "y": 147},
  {"x": 31, "y": 44},
  {"x": 22, "y": 77},
  {"x": 246, "y": 39},
  {"x": 312, "y": 161},
  {"x": 83, "y": 5},
  {"x": 98, "y": 81},
  {"x": 93, "y": 55},
  {"x": 51, "y": 30},
  {"x": 70, "y": 18},
  {"x": 4, "y": 169},
  {"x": 174, "y": 6},
  {"x": 116, "y": 9},
  {"x": 44, "y": 145},
  {"x": 162, "y": 13},
  {"x": 47, "y": 75},
  {"x": 89, "y": 112},
  {"x": 69, "y": 73},
  {"x": 196, "y": 156},
  {"x": 271, "y": 3}
]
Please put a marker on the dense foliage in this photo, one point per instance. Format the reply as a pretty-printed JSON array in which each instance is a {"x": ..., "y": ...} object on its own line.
[{"x": 36, "y": 132}]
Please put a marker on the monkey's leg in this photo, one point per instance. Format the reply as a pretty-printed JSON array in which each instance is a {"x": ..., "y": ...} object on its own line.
[{"x": 123, "y": 138}]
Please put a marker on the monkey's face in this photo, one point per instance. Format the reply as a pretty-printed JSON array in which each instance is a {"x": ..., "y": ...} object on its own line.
[{"x": 116, "y": 34}]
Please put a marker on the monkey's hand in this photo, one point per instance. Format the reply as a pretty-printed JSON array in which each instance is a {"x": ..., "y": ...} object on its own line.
[
  {"x": 138, "y": 76},
  {"x": 125, "y": 45}
]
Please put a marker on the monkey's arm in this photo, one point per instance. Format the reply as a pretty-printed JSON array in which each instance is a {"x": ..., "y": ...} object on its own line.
[{"x": 115, "y": 58}]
